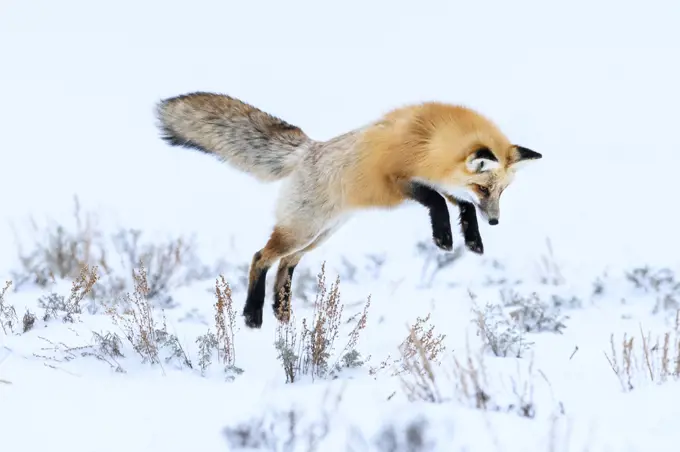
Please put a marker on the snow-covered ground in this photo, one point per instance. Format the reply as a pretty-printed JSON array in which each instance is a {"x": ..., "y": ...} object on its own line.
[{"x": 593, "y": 86}]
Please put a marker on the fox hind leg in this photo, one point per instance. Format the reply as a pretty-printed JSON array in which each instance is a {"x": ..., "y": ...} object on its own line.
[
  {"x": 281, "y": 243},
  {"x": 284, "y": 241},
  {"x": 306, "y": 209},
  {"x": 284, "y": 277}
]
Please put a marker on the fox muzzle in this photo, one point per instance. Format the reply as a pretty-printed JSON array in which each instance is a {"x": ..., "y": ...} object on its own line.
[{"x": 490, "y": 210}]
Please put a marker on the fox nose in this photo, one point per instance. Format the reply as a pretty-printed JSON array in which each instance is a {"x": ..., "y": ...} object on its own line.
[{"x": 493, "y": 221}]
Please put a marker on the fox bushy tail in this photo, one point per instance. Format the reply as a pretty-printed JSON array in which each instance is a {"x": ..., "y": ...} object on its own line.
[{"x": 238, "y": 133}]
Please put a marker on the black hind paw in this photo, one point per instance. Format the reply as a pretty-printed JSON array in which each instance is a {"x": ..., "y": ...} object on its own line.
[
  {"x": 282, "y": 312},
  {"x": 252, "y": 317}
]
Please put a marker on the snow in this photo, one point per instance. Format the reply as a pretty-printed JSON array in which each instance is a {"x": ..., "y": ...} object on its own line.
[{"x": 592, "y": 86}]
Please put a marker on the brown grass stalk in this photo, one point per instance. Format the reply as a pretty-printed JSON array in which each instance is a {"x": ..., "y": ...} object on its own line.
[{"x": 8, "y": 315}]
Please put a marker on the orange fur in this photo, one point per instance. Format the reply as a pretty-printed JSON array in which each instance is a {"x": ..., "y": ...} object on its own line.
[
  {"x": 430, "y": 141},
  {"x": 422, "y": 152}
]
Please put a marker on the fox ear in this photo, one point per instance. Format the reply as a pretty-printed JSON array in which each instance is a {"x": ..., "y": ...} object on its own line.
[
  {"x": 482, "y": 160},
  {"x": 522, "y": 155}
]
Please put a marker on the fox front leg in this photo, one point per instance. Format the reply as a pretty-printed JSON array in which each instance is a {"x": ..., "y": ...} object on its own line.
[
  {"x": 468, "y": 224},
  {"x": 470, "y": 227},
  {"x": 439, "y": 213}
]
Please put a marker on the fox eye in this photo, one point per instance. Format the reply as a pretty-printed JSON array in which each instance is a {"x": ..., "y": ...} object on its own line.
[{"x": 483, "y": 190}]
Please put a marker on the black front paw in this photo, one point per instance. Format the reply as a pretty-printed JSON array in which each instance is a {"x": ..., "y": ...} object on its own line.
[
  {"x": 473, "y": 241},
  {"x": 475, "y": 246},
  {"x": 253, "y": 316},
  {"x": 470, "y": 228},
  {"x": 443, "y": 238}
]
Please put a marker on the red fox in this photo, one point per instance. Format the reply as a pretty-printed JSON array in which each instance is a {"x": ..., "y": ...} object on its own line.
[{"x": 425, "y": 153}]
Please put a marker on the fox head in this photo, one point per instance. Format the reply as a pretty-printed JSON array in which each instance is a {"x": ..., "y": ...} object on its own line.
[
  {"x": 487, "y": 175},
  {"x": 467, "y": 156},
  {"x": 453, "y": 149}
]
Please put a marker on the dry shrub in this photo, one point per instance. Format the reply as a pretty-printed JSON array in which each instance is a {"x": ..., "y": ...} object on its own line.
[
  {"x": 288, "y": 429},
  {"x": 549, "y": 269},
  {"x": 8, "y": 315},
  {"x": 415, "y": 436},
  {"x": 500, "y": 333},
  {"x": 104, "y": 347},
  {"x": 503, "y": 326},
  {"x": 310, "y": 352},
  {"x": 496, "y": 274},
  {"x": 433, "y": 346},
  {"x": 534, "y": 315},
  {"x": 421, "y": 383},
  {"x": 79, "y": 289},
  {"x": 59, "y": 252},
  {"x": 225, "y": 329},
  {"x": 287, "y": 345},
  {"x": 139, "y": 326},
  {"x": 471, "y": 381},
  {"x": 435, "y": 261},
  {"x": 653, "y": 280},
  {"x": 223, "y": 340},
  {"x": 421, "y": 341},
  {"x": 468, "y": 383},
  {"x": 474, "y": 388},
  {"x": 56, "y": 305},
  {"x": 305, "y": 284},
  {"x": 28, "y": 321},
  {"x": 656, "y": 362},
  {"x": 170, "y": 264},
  {"x": 372, "y": 265},
  {"x": 661, "y": 282},
  {"x": 137, "y": 322}
]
